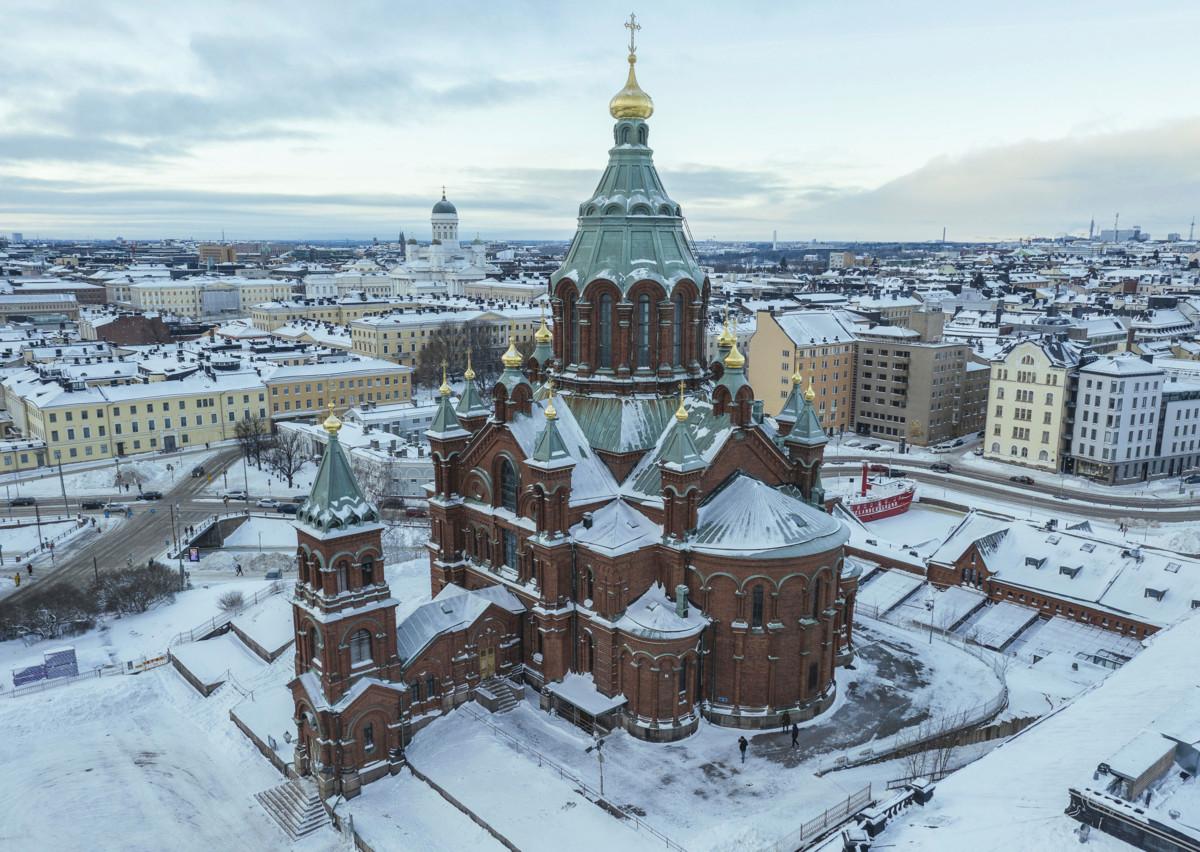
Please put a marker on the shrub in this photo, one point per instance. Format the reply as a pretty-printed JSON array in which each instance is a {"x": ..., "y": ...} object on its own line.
[{"x": 231, "y": 601}]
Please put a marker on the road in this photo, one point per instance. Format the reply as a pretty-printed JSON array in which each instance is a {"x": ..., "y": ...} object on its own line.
[{"x": 138, "y": 539}]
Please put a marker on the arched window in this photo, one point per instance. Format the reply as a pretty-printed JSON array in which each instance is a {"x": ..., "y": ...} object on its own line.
[
  {"x": 571, "y": 321},
  {"x": 368, "y": 738},
  {"x": 510, "y": 548},
  {"x": 644, "y": 335},
  {"x": 995, "y": 446},
  {"x": 591, "y": 584},
  {"x": 604, "y": 342},
  {"x": 677, "y": 330},
  {"x": 683, "y": 675},
  {"x": 360, "y": 647},
  {"x": 1043, "y": 456},
  {"x": 302, "y": 567},
  {"x": 343, "y": 580},
  {"x": 756, "y": 617},
  {"x": 510, "y": 484},
  {"x": 368, "y": 572},
  {"x": 816, "y": 599},
  {"x": 314, "y": 645}
]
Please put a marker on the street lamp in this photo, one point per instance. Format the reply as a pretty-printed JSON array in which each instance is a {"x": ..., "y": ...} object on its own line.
[
  {"x": 62, "y": 483},
  {"x": 598, "y": 747}
]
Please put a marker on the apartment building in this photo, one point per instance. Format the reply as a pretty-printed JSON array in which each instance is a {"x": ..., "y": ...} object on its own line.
[
  {"x": 911, "y": 390},
  {"x": 206, "y": 297},
  {"x": 1029, "y": 403},
  {"x": 1117, "y": 405},
  {"x": 307, "y": 389},
  {"x": 819, "y": 345},
  {"x": 270, "y": 315},
  {"x": 41, "y": 308}
]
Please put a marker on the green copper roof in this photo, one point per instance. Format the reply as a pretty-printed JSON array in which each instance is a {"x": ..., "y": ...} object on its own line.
[
  {"x": 336, "y": 501},
  {"x": 550, "y": 450},
  {"x": 793, "y": 408},
  {"x": 630, "y": 229},
  {"x": 543, "y": 352},
  {"x": 445, "y": 422},
  {"x": 471, "y": 404},
  {"x": 622, "y": 424},
  {"x": 733, "y": 378},
  {"x": 679, "y": 449},
  {"x": 808, "y": 429}
]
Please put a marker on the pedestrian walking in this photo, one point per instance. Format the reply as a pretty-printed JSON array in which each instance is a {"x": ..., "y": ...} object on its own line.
[
  {"x": 795, "y": 736},
  {"x": 785, "y": 720},
  {"x": 29, "y": 568},
  {"x": 743, "y": 744},
  {"x": 237, "y": 568}
]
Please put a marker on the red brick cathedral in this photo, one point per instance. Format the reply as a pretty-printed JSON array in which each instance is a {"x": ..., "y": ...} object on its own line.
[{"x": 617, "y": 525}]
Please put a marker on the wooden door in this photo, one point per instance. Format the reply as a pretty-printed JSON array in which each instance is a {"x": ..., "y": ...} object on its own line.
[{"x": 487, "y": 663}]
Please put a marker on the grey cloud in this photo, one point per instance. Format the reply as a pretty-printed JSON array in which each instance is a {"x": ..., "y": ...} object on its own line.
[{"x": 17, "y": 147}]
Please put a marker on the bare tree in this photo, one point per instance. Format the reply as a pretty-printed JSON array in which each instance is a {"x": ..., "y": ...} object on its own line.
[
  {"x": 252, "y": 434},
  {"x": 287, "y": 456},
  {"x": 450, "y": 342}
]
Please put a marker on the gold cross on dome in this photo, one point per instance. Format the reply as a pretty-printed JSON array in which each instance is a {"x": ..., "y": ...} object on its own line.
[{"x": 633, "y": 26}]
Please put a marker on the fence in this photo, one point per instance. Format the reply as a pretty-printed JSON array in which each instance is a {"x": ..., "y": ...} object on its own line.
[
  {"x": 819, "y": 826},
  {"x": 575, "y": 780},
  {"x": 47, "y": 542},
  {"x": 218, "y": 621},
  {"x": 129, "y": 667}
]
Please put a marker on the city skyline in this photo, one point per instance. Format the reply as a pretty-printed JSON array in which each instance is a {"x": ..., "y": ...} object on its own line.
[{"x": 808, "y": 121}]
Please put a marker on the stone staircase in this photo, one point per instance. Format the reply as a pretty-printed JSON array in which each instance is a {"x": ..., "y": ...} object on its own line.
[
  {"x": 499, "y": 694},
  {"x": 296, "y": 806}
]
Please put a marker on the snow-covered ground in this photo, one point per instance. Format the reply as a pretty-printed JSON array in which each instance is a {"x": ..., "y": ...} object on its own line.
[
  {"x": 132, "y": 763},
  {"x": 262, "y": 482},
  {"x": 150, "y": 471},
  {"x": 131, "y": 637}
]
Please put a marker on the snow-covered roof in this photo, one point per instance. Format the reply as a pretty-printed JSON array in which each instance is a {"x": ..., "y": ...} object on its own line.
[
  {"x": 617, "y": 528},
  {"x": 454, "y": 608},
  {"x": 591, "y": 480},
  {"x": 752, "y": 520},
  {"x": 653, "y": 616}
]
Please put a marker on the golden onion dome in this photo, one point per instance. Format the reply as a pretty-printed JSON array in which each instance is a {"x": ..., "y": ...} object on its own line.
[
  {"x": 735, "y": 360},
  {"x": 543, "y": 335},
  {"x": 810, "y": 394},
  {"x": 797, "y": 378},
  {"x": 726, "y": 337},
  {"x": 512, "y": 358},
  {"x": 469, "y": 374},
  {"x": 444, "y": 390},
  {"x": 681, "y": 413},
  {"x": 631, "y": 101},
  {"x": 332, "y": 424}
]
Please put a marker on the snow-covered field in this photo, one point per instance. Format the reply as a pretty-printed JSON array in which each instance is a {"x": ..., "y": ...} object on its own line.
[
  {"x": 150, "y": 471},
  {"x": 131, "y": 763},
  {"x": 261, "y": 482}
]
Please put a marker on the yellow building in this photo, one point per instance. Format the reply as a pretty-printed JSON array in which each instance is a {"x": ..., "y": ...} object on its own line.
[
  {"x": 271, "y": 315},
  {"x": 820, "y": 345},
  {"x": 307, "y": 389},
  {"x": 1027, "y": 403},
  {"x": 400, "y": 336}
]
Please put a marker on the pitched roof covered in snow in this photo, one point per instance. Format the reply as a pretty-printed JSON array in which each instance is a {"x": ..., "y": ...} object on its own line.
[{"x": 455, "y": 608}]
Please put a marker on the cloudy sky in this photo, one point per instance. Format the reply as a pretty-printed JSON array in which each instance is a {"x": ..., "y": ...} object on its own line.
[{"x": 848, "y": 120}]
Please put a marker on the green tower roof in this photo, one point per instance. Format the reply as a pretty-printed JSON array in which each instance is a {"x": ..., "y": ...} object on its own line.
[
  {"x": 336, "y": 500},
  {"x": 808, "y": 430},
  {"x": 630, "y": 229}
]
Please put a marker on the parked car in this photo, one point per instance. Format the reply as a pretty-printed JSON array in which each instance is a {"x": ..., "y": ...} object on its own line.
[
  {"x": 880, "y": 468},
  {"x": 23, "y": 501},
  {"x": 198, "y": 471},
  {"x": 415, "y": 512},
  {"x": 287, "y": 508},
  {"x": 851, "y": 443},
  {"x": 1021, "y": 480},
  {"x": 150, "y": 495},
  {"x": 91, "y": 504},
  {"x": 1193, "y": 479},
  {"x": 958, "y": 443},
  {"x": 977, "y": 451},
  {"x": 940, "y": 467},
  {"x": 267, "y": 503},
  {"x": 871, "y": 446},
  {"x": 236, "y": 495}
]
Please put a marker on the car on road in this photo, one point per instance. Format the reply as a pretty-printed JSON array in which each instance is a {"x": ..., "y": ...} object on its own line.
[
  {"x": 116, "y": 506},
  {"x": 91, "y": 504},
  {"x": 851, "y": 443},
  {"x": 415, "y": 512},
  {"x": 958, "y": 443},
  {"x": 941, "y": 448},
  {"x": 150, "y": 495},
  {"x": 198, "y": 471},
  {"x": 941, "y": 467},
  {"x": 267, "y": 503},
  {"x": 1193, "y": 479},
  {"x": 287, "y": 508},
  {"x": 1021, "y": 480},
  {"x": 978, "y": 451},
  {"x": 880, "y": 468},
  {"x": 871, "y": 446},
  {"x": 23, "y": 501},
  {"x": 236, "y": 495}
]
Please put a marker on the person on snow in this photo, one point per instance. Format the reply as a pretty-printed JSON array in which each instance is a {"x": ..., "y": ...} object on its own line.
[
  {"x": 237, "y": 567},
  {"x": 743, "y": 744},
  {"x": 795, "y": 736},
  {"x": 785, "y": 720},
  {"x": 29, "y": 568}
]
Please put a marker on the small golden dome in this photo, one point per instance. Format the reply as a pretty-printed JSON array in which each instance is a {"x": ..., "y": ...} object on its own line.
[
  {"x": 469, "y": 375},
  {"x": 332, "y": 424},
  {"x": 631, "y": 101},
  {"x": 726, "y": 337},
  {"x": 551, "y": 412},
  {"x": 681, "y": 413},
  {"x": 543, "y": 335},
  {"x": 444, "y": 390},
  {"x": 735, "y": 360},
  {"x": 512, "y": 358},
  {"x": 797, "y": 378},
  {"x": 810, "y": 394}
]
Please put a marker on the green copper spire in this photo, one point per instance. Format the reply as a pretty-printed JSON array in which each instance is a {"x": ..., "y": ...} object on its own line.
[
  {"x": 808, "y": 430},
  {"x": 336, "y": 500},
  {"x": 793, "y": 407},
  {"x": 550, "y": 450},
  {"x": 679, "y": 450},
  {"x": 630, "y": 229}
]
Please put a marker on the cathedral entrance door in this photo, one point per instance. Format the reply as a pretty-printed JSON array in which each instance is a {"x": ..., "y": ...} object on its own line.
[{"x": 487, "y": 663}]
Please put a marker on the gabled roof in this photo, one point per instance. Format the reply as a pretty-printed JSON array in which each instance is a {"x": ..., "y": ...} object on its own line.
[
  {"x": 617, "y": 528},
  {"x": 336, "y": 500}
]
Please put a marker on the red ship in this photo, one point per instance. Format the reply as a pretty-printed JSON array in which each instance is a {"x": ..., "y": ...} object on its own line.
[{"x": 880, "y": 497}]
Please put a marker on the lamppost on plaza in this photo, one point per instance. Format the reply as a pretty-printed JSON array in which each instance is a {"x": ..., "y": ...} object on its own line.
[{"x": 598, "y": 747}]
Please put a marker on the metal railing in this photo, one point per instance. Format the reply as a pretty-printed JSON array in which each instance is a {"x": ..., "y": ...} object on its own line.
[
  {"x": 218, "y": 621},
  {"x": 128, "y": 667},
  {"x": 583, "y": 787},
  {"x": 819, "y": 826}
]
